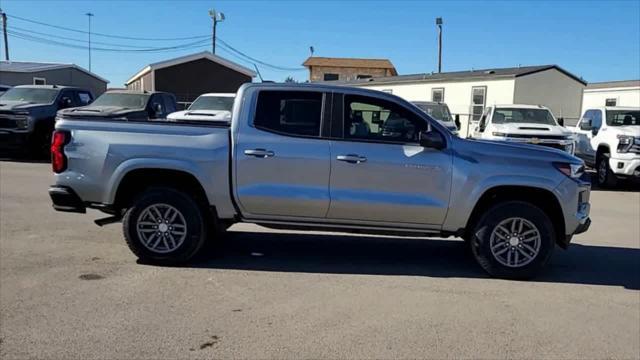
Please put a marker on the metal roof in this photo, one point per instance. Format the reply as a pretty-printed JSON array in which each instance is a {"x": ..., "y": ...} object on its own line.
[
  {"x": 482, "y": 74},
  {"x": 349, "y": 62},
  {"x": 30, "y": 67},
  {"x": 187, "y": 58},
  {"x": 613, "y": 84}
]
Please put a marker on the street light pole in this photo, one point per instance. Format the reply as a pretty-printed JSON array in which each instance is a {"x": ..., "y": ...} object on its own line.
[
  {"x": 439, "y": 25},
  {"x": 89, "y": 15},
  {"x": 216, "y": 17}
]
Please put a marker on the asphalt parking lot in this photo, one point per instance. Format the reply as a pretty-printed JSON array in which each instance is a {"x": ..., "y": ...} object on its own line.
[{"x": 70, "y": 289}]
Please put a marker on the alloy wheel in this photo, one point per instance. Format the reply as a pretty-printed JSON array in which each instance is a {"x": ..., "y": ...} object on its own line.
[
  {"x": 161, "y": 228},
  {"x": 515, "y": 242}
]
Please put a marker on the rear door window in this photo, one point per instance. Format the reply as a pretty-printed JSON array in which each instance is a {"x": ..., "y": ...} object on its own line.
[{"x": 295, "y": 113}]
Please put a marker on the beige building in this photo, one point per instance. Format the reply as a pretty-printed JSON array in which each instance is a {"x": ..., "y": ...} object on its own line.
[
  {"x": 346, "y": 69},
  {"x": 611, "y": 93},
  {"x": 467, "y": 93}
]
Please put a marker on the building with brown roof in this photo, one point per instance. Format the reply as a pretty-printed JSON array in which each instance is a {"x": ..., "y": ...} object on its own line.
[{"x": 345, "y": 69}]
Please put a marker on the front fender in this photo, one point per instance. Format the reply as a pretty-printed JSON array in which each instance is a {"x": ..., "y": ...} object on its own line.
[{"x": 467, "y": 192}]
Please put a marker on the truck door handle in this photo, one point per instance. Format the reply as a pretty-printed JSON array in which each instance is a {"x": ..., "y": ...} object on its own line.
[
  {"x": 351, "y": 158},
  {"x": 261, "y": 153}
]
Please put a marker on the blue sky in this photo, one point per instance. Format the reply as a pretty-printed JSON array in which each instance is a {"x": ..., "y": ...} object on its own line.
[{"x": 598, "y": 40}]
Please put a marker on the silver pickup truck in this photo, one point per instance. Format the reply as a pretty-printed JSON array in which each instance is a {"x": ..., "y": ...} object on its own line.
[{"x": 319, "y": 157}]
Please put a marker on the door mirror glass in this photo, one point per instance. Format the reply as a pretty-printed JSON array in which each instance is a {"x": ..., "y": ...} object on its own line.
[
  {"x": 432, "y": 139},
  {"x": 65, "y": 102},
  {"x": 561, "y": 121},
  {"x": 457, "y": 121},
  {"x": 157, "y": 110},
  {"x": 585, "y": 124}
]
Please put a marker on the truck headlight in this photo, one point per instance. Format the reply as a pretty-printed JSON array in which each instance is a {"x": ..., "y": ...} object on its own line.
[
  {"x": 22, "y": 122},
  {"x": 625, "y": 142},
  {"x": 574, "y": 171}
]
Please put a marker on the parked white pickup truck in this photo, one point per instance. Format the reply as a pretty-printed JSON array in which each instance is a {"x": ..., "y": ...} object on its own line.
[
  {"x": 612, "y": 145},
  {"x": 531, "y": 124},
  {"x": 207, "y": 107}
]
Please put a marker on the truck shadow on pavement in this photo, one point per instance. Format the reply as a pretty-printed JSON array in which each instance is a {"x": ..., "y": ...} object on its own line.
[{"x": 367, "y": 255}]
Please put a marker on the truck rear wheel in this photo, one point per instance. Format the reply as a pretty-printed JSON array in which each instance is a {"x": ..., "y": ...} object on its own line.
[
  {"x": 164, "y": 226},
  {"x": 513, "y": 240}
]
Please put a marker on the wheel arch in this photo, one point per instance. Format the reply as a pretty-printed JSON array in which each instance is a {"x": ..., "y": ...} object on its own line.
[
  {"x": 540, "y": 197},
  {"x": 137, "y": 180}
]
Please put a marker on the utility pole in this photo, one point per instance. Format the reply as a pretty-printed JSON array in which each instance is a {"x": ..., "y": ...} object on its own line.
[
  {"x": 4, "y": 32},
  {"x": 439, "y": 25},
  {"x": 216, "y": 17},
  {"x": 89, "y": 15}
]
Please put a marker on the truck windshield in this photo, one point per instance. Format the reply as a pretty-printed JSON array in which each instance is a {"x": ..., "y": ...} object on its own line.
[
  {"x": 623, "y": 117},
  {"x": 529, "y": 116},
  {"x": 436, "y": 111},
  {"x": 212, "y": 103},
  {"x": 31, "y": 95},
  {"x": 123, "y": 100}
]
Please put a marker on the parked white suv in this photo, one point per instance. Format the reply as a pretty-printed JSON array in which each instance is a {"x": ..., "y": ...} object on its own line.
[
  {"x": 609, "y": 139},
  {"x": 207, "y": 107},
  {"x": 531, "y": 124}
]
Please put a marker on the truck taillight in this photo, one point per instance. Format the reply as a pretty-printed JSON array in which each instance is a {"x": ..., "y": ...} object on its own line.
[{"x": 58, "y": 159}]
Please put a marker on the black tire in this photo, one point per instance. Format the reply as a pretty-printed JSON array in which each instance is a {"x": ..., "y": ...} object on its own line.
[
  {"x": 605, "y": 177},
  {"x": 192, "y": 214},
  {"x": 481, "y": 240}
]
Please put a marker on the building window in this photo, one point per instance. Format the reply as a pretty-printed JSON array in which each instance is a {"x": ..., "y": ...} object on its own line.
[
  {"x": 360, "y": 76},
  {"x": 437, "y": 95},
  {"x": 39, "y": 81},
  {"x": 478, "y": 100},
  {"x": 388, "y": 91},
  {"x": 610, "y": 102},
  {"x": 331, "y": 77}
]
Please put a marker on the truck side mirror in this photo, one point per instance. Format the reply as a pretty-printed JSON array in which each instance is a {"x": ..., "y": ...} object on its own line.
[
  {"x": 561, "y": 121},
  {"x": 457, "y": 121},
  {"x": 431, "y": 139},
  {"x": 157, "y": 110},
  {"x": 585, "y": 124}
]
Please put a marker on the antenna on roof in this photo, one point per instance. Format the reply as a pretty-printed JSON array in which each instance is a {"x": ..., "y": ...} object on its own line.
[
  {"x": 258, "y": 72},
  {"x": 311, "y": 50}
]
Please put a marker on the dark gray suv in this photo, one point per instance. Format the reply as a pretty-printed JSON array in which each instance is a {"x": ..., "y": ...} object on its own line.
[
  {"x": 27, "y": 115},
  {"x": 127, "y": 105}
]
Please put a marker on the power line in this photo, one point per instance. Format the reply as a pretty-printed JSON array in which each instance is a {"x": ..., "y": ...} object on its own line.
[
  {"x": 275, "y": 67},
  {"x": 22, "y": 30},
  {"x": 110, "y": 35},
  {"x": 19, "y": 35},
  {"x": 25, "y": 34}
]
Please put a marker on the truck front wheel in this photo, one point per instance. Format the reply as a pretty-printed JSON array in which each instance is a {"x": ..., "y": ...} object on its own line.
[
  {"x": 513, "y": 240},
  {"x": 164, "y": 226},
  {"x": 606, "y": 177}
]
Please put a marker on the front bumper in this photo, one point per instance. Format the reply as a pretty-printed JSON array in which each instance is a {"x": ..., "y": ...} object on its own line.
[
  {"x": 65, "y": 199},
  {"x": 625, "y": 165},
  {"x": 13, "y": 140},
  {"x": 574, "y": 195}
]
